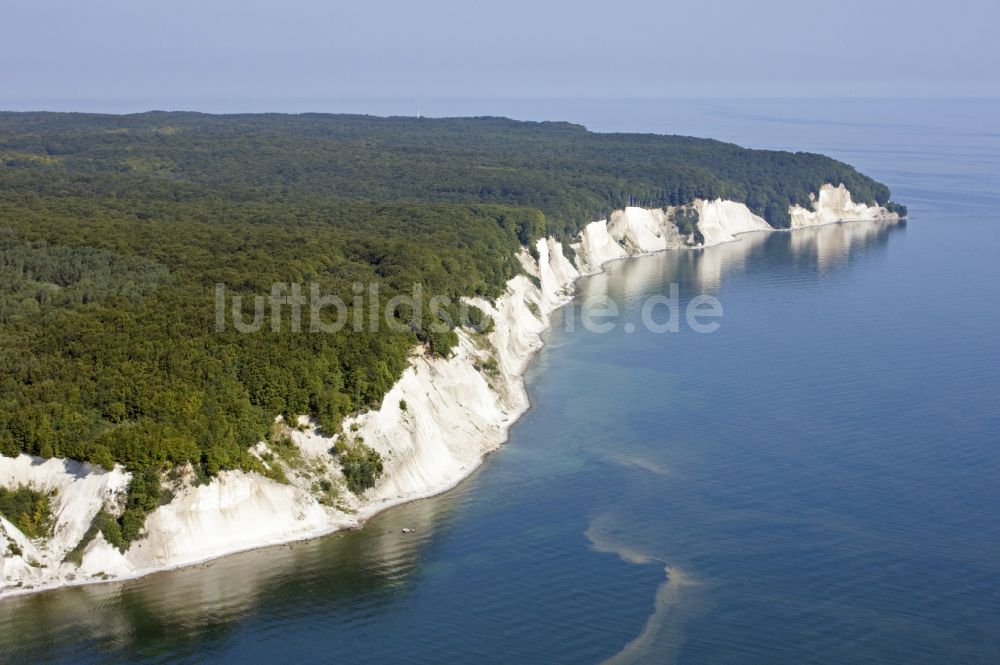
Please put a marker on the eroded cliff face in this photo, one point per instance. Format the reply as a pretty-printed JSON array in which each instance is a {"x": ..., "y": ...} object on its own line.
[
  {"x": 834, "y": 204},
  {"x": 636, "y": 231},
  {"x": 433, "y": 428},
  {"x": 721, "y": 221},
  {"x": 76, "y": 491}
]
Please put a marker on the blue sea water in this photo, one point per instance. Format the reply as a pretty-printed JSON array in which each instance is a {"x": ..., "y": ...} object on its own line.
[{"x": 816, "y": 482}]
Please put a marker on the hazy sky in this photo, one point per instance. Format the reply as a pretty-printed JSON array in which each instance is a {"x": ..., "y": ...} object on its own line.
[{"x": 187, "y": 50}]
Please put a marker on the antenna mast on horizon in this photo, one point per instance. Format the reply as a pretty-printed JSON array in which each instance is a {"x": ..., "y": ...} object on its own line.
[{"x": 418, "y": 108}]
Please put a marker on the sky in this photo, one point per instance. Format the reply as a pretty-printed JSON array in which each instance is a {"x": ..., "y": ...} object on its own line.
[{"x": 64, "y": 54}]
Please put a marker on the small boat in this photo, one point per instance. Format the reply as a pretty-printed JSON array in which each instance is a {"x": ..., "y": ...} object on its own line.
[{"x": 407, "y": 529}]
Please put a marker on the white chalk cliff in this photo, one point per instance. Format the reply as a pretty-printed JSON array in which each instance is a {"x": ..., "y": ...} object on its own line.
[
  {"x": 834, "y": 204},
  {"x": 434, "y": 426}
]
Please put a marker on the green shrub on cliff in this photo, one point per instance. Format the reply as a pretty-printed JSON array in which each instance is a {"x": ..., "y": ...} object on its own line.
[
  {"x": 686, "y": 220},
  {"x": 28, "y": 509},
  {"x": 361, "y": 465}
]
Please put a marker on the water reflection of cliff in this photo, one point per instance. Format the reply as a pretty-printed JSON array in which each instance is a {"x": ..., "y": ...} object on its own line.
[
  {"x": 188, "y": 609},
  {"x": 822, "y": 248},
  {"x": 832, "y": 244}
]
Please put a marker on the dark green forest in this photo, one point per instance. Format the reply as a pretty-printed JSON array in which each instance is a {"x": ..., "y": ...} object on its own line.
[
  {"x": 572, "y": 175},
  {"x": 114, "y": 231}
]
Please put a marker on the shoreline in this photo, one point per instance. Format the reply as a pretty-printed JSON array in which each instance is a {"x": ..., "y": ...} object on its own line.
[
  {"x": 362, "y": 516},
  {"x": 558, "y": 280}
]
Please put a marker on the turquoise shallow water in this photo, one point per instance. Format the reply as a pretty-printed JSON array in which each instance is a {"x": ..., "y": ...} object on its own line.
[{"x": 816, "y": 482}]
